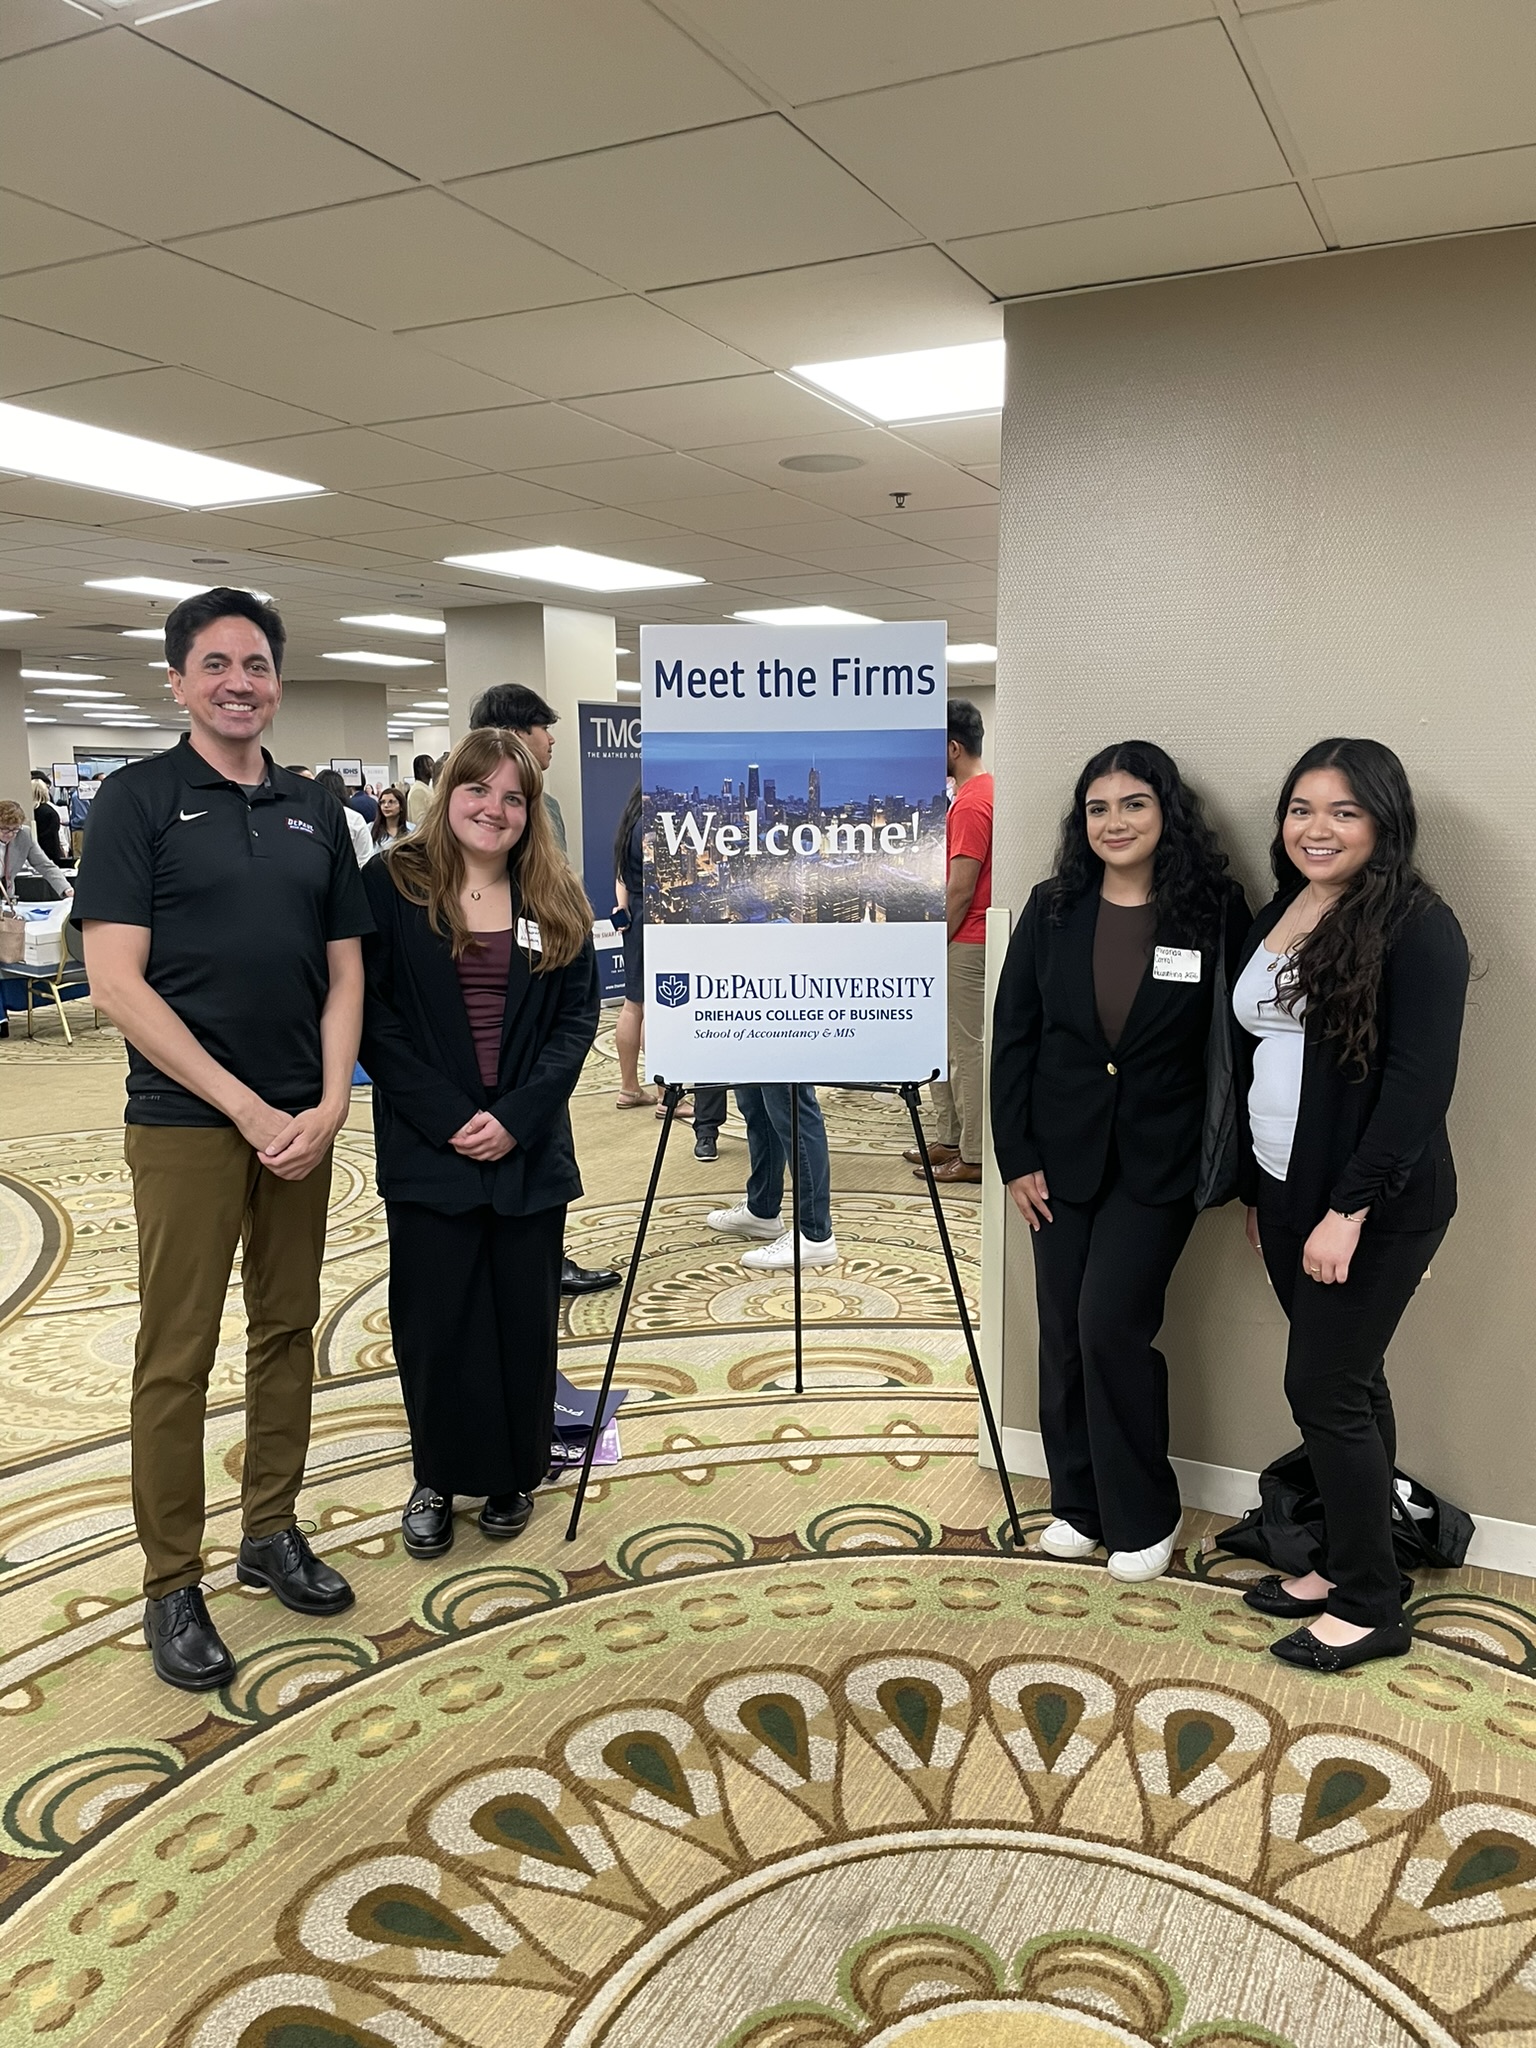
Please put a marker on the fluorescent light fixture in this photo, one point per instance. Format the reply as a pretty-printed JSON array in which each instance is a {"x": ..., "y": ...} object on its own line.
[
  {"x": 7, "y": 617},
  {"x": 163, "y": 586},
  {"x": 429, "y": 707},
  {"x": 806, "y": 615},
  {"x": 624, "y": 683},
  {"x": 574, "y": 568},
  {"x": 66, "y": 675},
  {"x": 165, "y": 13},
  {"x": 39, "y": 444},
  {"x": 142, "y": 633},
  {"x": 397, "y": 622},
  {"x": 921, "y": 384},
  {"x": 970, "y": 654},
  {"x": 381, "y": 660},
  {"x": 37, "y": 718}
]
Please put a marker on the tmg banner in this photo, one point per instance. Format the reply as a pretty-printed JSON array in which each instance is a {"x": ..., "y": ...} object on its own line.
[
  {"x": 610, "y": 762},
  {"x": 794, "y": 804}
]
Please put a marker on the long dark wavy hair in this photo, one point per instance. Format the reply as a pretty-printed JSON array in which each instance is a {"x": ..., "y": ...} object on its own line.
[
  {"x": 1190, "y": 884},
  {"x": 1336, "y": 969}
]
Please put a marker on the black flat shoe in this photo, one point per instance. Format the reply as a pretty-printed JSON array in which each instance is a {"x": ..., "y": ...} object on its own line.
[
  {"x": 576, "y": 1279},
  {"x": 187, "y": 1649},
  {"x": 705, "y": 1147},
  {"x": 505, "y": 1515},
  {"x": 1393, "y": 1639},
  {"x": 426, "y": 1526},
  {"x": 286, "y": 1566},
  {"x": 1270, "y": 1597}
]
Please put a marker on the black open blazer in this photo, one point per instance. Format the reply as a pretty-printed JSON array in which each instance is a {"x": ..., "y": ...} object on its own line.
[
  {"x": 420, "y": 1056},
  {"x": 1377, "y": 1139},
  {"x": 1059, "y": 1094}
]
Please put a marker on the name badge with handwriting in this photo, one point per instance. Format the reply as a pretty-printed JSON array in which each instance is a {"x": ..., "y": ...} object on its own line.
[
  {"x": 528, "y": 936},
  {"x": 1176, "y": 963}
]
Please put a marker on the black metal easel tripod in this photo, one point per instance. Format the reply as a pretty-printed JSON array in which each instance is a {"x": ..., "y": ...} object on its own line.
[{"x": 672, "y": 1096}]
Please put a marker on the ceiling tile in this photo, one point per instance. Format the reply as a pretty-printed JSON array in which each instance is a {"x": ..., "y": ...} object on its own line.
[
  {"x": 336, "y": 516},
  {"x": 988, "y": 473},
  {"x": 347, "y": 459},
  {"x": 432, "y": 542},
  {"x": 964, "y": 441},
  {"x": 33, "y": 498},
  {"x": 717, "y": 202},
  {"x": 113, "y": 128},
  {"x": 1154, "y": 241},
  {"x": 1443, "y": 198},
  {"x": 400, "y": 261},
  {"x": 971, "y": 522},
  {"x": 184, "y": 409},
  {"x": 809, "y": 51},
  {"x": 467, "y": 85},
  {"x": 476, "y": 498},
  {"x": 638, "y": 479},
  {"x": 801, "y": 538},
  {"x": 566, "y": 351},
  {"x": 175, "y": 311},
  {"x": 867, "y": 305},
  {"x": 601, "y": 527},
  {"x": 34, "y": 360},
  {"x": 727, "y": 513},
  {"x": 338, "y": 554},
  {"x": 888, "y": 465},
  {"x": 217, "y": 533},
  {"x": 1391, "y": 81},
  {"x": 31, "y": 234},
  {"x": 1095, "y": 130},
  {"x": 724, "y": 409},
  {"x": 523, "y": 437},
  {"x": 29, "y": 24}
]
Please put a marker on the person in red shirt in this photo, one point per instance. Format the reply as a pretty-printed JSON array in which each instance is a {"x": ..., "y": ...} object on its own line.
[{"x": 956, "y": 1151}]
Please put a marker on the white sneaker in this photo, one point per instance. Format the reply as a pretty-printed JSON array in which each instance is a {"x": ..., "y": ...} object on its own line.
[
  {"x": 779, "y": 1257},
  {"x": 1136, "y": 1565},
  {"x": 740, "y": 1222},
  {"x": 1062, "y": 1540}
]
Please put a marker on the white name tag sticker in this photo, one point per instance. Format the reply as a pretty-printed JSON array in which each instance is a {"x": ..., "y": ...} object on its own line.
[
  {"x": 1176, "y": 963},
  {"x": 528, "y": 936}
]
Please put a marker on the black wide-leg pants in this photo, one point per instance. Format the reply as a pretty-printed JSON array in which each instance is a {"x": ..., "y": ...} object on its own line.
[
  {"x": 1336, "y": 1383},
  {"x": 474, "y": 1306},
  {"x": 1101, "y": 1273}
]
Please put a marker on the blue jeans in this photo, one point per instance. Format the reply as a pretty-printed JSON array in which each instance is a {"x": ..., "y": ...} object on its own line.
[{"x": 765, "y": 1112}]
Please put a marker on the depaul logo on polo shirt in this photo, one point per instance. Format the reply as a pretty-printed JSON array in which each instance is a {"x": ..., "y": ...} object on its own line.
[
  {"x": 301, "y": 825},
  {"x": 672, "y": 990}
]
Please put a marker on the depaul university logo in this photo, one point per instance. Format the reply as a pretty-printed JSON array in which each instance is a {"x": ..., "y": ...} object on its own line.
[{"x": 672, "y": 990}]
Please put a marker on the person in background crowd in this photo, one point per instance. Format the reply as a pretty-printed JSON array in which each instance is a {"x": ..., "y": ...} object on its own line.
[
  {"x": 482, "y": 1007},
  {"x": 329, "y": 779},
  {"x": 766, "y": 1113},
  {"x": 708, "y": 1116},
  {"x": 419, "y": 797},
  {"x": 20, "y": 855},
  {"x": 956, "y": 1152},
  {"x": 80, "y": 800},
  {"x": 1350, "y": 1001},
  {"x": 390, "y": 822},
  {"x": 628, "y": 917},
  {"x": 298, "y": 768},
  {"x": 1101, "y": 1039},
  {"x": 47, "y": 822},
  {"x": 223, "y": 913},
  {"x": 365, "y": 803}
]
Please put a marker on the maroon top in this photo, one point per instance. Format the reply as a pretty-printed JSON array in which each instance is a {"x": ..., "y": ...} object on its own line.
[{"x": 483, "y": 971}]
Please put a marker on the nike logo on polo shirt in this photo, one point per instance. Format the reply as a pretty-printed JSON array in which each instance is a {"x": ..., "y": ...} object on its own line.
[{"x": 187, "y": 816}]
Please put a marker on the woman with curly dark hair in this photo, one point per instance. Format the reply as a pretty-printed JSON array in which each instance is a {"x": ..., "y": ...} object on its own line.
[
  {"x": 1349, "y": 1002},
  {"x": 1102, "y": 1064}
]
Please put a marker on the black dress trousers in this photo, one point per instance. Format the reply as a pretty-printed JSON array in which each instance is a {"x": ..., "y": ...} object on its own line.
[
  {"x": 1101, "y": 1273},
  {"x": 1336, "y": 1383},
  {"x": 474, "y": 1305}
]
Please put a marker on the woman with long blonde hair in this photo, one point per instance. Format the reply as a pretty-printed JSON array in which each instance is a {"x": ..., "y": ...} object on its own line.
[{"x": 482, "y": 1006}]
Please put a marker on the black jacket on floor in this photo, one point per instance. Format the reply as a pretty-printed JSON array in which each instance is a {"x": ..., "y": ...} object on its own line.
[
  {"x": 1060, "y": 1095},
  {"x": 1376, "y": 1140},
  {"x": 420, "y": 1056}
]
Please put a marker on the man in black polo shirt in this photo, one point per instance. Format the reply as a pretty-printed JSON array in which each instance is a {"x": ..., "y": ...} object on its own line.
[{"x": 222, "y": 911}]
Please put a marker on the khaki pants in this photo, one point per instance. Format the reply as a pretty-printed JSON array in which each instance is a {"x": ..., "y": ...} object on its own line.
[
  {"x": 197, "y": 1194},
  {"x": 957, "y": 1101}
]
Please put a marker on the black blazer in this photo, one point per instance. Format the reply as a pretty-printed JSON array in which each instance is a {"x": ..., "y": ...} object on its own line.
[
  {"x": 420, "y": 1056},
  {"x": 1379, "y": 1139},
  {"x": 1059, "y": 1094}
]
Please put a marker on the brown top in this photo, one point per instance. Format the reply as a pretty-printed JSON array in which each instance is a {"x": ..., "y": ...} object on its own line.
[
  {"x": 1123, "y": 940},
  {"x": 483, "y": 971}
]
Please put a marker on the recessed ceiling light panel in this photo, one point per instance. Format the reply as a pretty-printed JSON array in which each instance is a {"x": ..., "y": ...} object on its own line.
[
  {"x": 65, "y": 675},
  {"x": 370, "y": 660},
  {"x": 7, "y": 618},
  {"x": 970, "y": 654},
  {"x": 573, "y": 568},
  {"x": 40, "y": 444},
  {"x": 164, "y": 586},
  {"x": 921, "y": 384},
  {"x": 397, "y": 622},
  {"x": 806, "y": 615}
]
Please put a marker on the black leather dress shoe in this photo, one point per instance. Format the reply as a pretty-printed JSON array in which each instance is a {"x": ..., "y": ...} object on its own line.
[
  {"x": 505, "y": 1515},
  {"x": 1393, "y": 1639},
  {"x": 426, "y": 1527},
  {"x": 286, "y": 1565},
  {"x": 576, "y": 1279},
  {"x": 187, "y": 1649},
  {"x": 705, "y": 1145},
  {"x": 1270, "y": 1597}
]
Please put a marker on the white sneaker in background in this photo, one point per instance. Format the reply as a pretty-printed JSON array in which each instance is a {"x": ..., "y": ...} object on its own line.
[
  {"x": 1136, "y": 1565},
  {"x": 779, "y": 1257},
  {"x": 1060, "y": 1539},
  {"x": 740, "y": 1222}
]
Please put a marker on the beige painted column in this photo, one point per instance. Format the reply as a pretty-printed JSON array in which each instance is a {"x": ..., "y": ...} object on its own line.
[
  {"x": 567, "y": 656},
  {"x": 330, "y": 717},
  {"x": 15, "y": 740}
]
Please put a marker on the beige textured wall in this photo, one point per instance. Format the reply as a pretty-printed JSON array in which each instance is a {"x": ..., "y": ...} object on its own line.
[{"x": 1241, "y": 512}]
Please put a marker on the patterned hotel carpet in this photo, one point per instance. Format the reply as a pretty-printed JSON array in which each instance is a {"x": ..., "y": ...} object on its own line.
[{"x": 787, "y": 1751}]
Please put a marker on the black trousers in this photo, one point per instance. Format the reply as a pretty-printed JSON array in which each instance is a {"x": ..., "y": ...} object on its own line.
[
  {"x": 1336, "y": 1383},
  {"x": 708, "y": 1109},
  {"x": 1101, "y": 1272},
  {"x": 474, "y": 1306}
]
